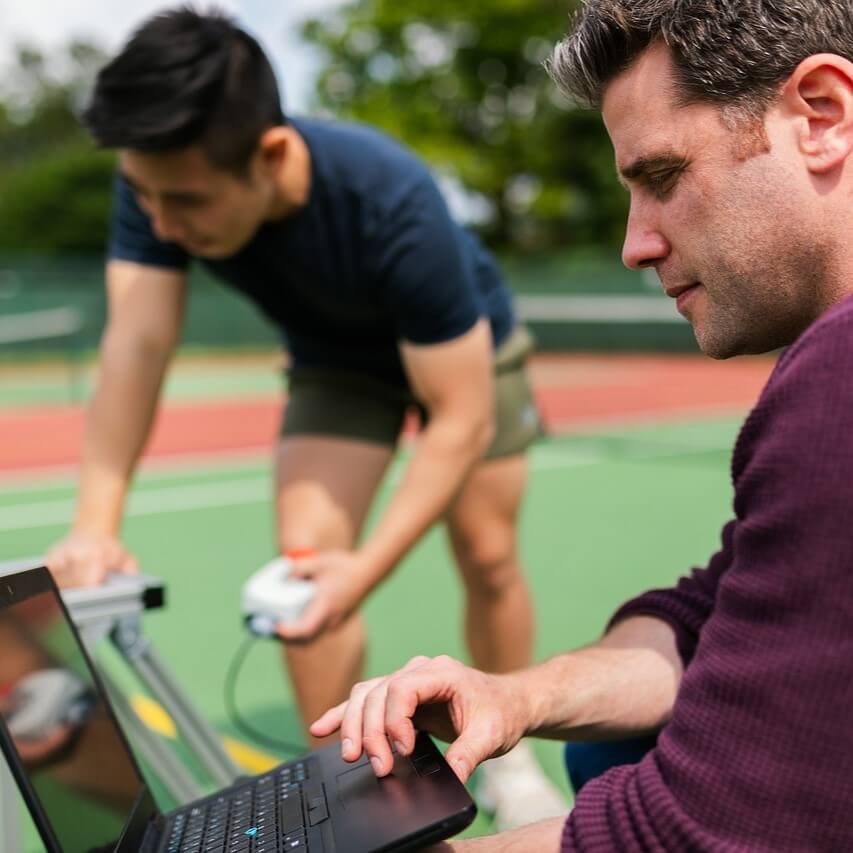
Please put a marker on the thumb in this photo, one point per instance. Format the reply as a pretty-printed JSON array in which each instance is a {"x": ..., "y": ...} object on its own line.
[
  {"x": 305, "y": 627},
  {"x": 305, "y": 568},
  {"x": 471, "y": 748},
  {"x": 303, "y": 562}
]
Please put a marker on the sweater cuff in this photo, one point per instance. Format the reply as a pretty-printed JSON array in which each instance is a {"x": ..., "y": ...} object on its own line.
[{"x": 660, "y": 606}]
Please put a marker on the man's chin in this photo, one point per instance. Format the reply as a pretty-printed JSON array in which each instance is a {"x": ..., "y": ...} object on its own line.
[
  {"x": 210, "y": 251},
  {"x": 718, "y": 348}
]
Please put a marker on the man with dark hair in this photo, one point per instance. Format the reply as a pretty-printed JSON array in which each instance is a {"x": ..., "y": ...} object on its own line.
[
  {"x": 732, "y": 124},
  {"x": 342, "y": 239}
]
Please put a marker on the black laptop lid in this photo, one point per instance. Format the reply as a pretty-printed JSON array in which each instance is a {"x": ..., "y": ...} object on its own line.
[{"x": 62, "y": 741}]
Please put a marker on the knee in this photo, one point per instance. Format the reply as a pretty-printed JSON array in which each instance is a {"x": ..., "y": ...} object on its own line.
[
  {"x": 489, "y": 565},
  {"x": 310, "y": 538},
  {"x": 313, "y": 528}
]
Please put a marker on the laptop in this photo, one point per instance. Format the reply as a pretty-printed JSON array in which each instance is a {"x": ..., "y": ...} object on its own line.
[{"x": 86, "y": 793}]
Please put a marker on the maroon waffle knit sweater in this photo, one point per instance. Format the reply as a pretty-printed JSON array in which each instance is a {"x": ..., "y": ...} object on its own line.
[{"x": 758, "y": 755}]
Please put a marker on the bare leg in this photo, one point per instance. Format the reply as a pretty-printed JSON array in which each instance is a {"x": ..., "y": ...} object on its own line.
[
  {"x": 324, "y": 487},
  {"x": 481, "y": 524},
  {"x": 499, "y": 625}
]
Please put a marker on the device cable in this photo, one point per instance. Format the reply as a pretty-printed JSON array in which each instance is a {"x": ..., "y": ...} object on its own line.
[{"x": 237, "y": 719}]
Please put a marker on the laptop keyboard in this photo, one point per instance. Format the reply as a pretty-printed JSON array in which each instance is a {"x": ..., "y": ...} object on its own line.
[{"x": 273, "y": 814}]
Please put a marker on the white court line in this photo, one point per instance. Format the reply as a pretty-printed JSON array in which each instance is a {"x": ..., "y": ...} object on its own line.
[
  {"x": 40, "y": 478},
  {"x": 37, "y": 514},
  {"x": 251, "y": 490}
]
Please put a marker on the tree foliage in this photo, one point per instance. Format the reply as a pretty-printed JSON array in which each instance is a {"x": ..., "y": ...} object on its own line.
[
  {"x": 54, "y": 185},
  {"x": 464, "y": 84}
]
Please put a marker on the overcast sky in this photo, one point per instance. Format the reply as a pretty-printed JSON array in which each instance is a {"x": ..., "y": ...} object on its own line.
[{"x": 51, "y": 23}]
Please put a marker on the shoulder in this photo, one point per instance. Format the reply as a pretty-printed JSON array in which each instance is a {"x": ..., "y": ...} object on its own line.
[
  {"x": 829, "y": 337},
  {"x": 361, "y": 159},
  {"x": 807, "y": 400}
]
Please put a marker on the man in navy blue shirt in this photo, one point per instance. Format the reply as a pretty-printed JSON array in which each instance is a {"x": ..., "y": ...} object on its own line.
[{"x": 342, "y": 239}]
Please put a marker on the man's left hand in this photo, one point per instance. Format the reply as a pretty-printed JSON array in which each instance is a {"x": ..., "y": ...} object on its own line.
[{"x": 340, "y": 580}]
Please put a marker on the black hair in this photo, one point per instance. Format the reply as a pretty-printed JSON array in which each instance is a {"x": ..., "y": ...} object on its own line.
[{"x": 186, "y": 78}]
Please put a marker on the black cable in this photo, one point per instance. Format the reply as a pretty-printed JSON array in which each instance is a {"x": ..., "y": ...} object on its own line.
[{"x": 245, "y": 728}]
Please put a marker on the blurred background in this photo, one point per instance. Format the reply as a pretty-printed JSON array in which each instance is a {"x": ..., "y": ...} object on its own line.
[{"x": 465, "y": 87}]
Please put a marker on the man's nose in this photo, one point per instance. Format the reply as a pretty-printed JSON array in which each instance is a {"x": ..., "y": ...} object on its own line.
[
  {"x": 644, "y": 246},
  {"x": 166, "y": 226}
]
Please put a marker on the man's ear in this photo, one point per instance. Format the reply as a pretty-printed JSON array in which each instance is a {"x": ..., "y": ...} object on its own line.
[
  {"x": 273, "y": 147},
  {"x": 819, "y": 96}
]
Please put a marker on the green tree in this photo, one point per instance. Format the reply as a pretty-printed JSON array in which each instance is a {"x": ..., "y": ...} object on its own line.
[
  {"x": 54, "y": 184},
  {"x": 464, "y": 85},
  {"x": 58, "y": 201}
]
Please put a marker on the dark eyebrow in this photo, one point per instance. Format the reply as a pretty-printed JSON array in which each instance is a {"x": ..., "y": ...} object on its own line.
[
  {"x": 177, "y": 196},
  {"x": 646, "y": 166}
]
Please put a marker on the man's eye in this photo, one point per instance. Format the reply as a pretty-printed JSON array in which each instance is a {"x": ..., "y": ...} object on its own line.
[{"x": 661, "y": 186}]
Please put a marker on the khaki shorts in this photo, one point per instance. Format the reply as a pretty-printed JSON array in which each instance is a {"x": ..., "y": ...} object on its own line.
[{"x": 326, "y": 401}]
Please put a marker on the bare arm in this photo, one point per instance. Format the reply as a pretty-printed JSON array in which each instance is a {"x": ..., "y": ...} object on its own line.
[
  {"x": 454, "y": 382},
  {"x": 624, "y": 684},
  {"x": 542, "y": 837},
  {"x": 146, "y": 307}
]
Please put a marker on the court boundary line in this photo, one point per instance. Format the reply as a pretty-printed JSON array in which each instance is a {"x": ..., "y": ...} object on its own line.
[{"x": 245, "y": 491}]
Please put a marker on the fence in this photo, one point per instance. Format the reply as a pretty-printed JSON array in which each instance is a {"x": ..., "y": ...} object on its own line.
[{"x": 570, "y": 304}]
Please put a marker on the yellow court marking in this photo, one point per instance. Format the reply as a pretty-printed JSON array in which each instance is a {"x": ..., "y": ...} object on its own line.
[
  {"x": 248, "y": 757},
  {"x": 155, "y": 717}
]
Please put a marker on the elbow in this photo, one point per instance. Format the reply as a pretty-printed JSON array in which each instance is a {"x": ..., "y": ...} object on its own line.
[
  {"x": 476, "y": 436},
  {"x": 484, "y": 435},
  {"x": 462, "y": 431},
  {"x": 149, "y": 345}
]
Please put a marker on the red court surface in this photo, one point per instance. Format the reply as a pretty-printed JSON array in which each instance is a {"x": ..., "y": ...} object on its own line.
[{"x": 575, "y": 392}]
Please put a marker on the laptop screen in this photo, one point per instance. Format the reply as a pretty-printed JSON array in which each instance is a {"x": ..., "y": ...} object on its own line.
[{"x": 67, "y": 742}]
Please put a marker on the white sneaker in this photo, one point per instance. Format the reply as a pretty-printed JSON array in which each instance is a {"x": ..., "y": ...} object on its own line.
[{"x": 515, "y": 789}]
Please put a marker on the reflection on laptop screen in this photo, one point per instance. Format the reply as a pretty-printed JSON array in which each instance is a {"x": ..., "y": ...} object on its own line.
[{"x": 67, "y": 743}]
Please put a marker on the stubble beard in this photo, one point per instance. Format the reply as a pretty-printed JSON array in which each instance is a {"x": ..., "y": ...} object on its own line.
[{"x": 762, "y": 306}]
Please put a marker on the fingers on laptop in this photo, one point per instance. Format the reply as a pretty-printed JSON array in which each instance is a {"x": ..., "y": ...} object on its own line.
[{"x": 363, "y": 722}]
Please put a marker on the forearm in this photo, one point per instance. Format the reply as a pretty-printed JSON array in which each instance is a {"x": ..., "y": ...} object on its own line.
[
  {"x": 623, "y": 685},
  {"x": 544, "y": 837},
  {"x": 445, "y": 454},
  {"x": 118, "y": 423}
]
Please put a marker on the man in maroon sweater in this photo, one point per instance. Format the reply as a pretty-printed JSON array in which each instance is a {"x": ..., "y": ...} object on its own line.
[{"x": 732, "y": 123}]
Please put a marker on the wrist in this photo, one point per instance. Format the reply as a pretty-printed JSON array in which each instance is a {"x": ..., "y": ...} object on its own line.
[
  {"x": 521, "y": 697},
  {"x": 372, "y": 566},
  {"x": 93, "y": 529},
  {"x": 552, "y": 695},
  {"x": 364, "y": 575}
]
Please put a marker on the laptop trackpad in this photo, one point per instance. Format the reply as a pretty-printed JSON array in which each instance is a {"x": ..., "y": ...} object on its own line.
[{"x": 357, "y": 785}]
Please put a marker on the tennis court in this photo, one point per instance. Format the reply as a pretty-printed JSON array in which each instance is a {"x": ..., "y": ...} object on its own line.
[{"x": 628, "y": 491}]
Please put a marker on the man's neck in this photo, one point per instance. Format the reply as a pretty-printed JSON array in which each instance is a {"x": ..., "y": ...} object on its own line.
[{"x": 294, "y": 180}]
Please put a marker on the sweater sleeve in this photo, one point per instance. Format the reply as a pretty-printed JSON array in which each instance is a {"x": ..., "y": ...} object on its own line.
[{"x": 757, "y": 752}]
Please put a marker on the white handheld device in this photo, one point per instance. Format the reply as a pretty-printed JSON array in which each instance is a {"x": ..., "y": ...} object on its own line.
[
  {"x": 270, "y": 596},
  {"x": 46, "y": 700}
]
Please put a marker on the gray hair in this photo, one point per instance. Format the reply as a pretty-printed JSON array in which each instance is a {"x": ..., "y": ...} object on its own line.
[{"x": 733, "y": 53}]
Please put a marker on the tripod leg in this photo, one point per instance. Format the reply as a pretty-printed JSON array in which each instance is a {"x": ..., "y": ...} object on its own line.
[
  {"x": 170, "y": 771},
  {"x": 196, "y": 731}
]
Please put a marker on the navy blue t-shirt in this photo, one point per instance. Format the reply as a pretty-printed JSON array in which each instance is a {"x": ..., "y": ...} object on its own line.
[{"x": 372, "y": 259}]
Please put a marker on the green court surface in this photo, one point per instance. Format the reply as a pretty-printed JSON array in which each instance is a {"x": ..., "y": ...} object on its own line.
[{"x": 607, "y": 515}]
